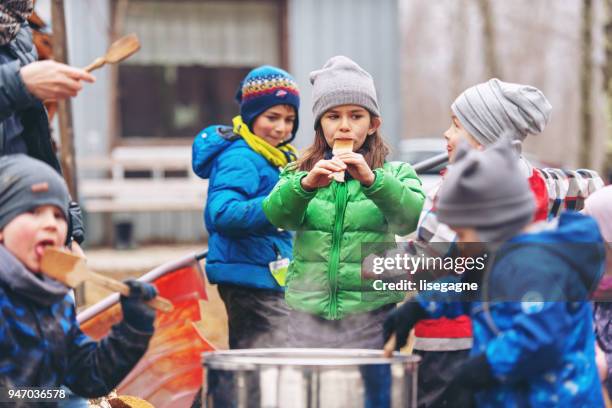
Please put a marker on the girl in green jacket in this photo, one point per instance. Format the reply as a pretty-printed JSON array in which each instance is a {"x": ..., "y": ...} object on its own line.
[{"x": 377, "y": 200}]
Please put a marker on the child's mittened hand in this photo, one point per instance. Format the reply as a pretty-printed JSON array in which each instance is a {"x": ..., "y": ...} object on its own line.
[
  {"x": 400, "y": 321},
  {"x": 320, "y": 175},
  {"x": 136, "y": 312},
  {"x": 358, "y": 168}
]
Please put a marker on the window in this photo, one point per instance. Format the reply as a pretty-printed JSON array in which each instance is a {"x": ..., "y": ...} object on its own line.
[{"x": 193, "y": 56}]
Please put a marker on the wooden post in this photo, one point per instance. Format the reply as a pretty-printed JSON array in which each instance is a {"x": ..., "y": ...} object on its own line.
[
  {"x": 64, "y": 109},
  {"x": 458, "y": 47},
  {"x": 64, "y": 115}
]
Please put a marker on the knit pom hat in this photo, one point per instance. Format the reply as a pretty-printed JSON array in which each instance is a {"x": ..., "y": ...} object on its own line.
[
  {"x": 496, "y": 108},
  {"x": 27, "y": 183},
  {"x": 342, "y": 82},
  {"x": 263, "y": 88},
  {"x": 486, "y": 190}
]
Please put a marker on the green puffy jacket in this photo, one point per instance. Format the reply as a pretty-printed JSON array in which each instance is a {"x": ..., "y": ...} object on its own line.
[{"x": 324, "y": 277}]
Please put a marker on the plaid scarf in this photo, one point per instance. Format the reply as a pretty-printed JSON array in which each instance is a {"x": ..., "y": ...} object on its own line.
[{"x": 13, "y": 13}]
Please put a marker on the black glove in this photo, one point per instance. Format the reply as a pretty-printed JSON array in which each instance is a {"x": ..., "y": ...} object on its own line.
[
  {"x": 401, "y": 320},
  {"x": 136, "y": 313},
  {"x": 473, "y": 374},
  {"x": 76, "y": 230}
]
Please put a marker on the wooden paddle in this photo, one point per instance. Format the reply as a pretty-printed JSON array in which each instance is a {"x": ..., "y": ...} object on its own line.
[
  {"x": 341, "y": 146},
  {"x": 118, "y": 51},
  {"x": 71, "y": 270}
]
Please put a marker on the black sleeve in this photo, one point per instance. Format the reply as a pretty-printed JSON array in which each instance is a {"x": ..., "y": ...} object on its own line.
[
  {"x": 96, "y": 368},
  {"x": 14, "y": 96}
]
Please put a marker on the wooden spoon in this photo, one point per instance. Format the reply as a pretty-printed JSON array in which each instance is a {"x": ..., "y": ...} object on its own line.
[
  {"x": 71, "y": 270},
  {"x": 118, "y": 51}
]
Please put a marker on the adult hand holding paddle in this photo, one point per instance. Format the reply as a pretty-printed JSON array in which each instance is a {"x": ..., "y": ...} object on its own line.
[{"x": 51, "y": 80}]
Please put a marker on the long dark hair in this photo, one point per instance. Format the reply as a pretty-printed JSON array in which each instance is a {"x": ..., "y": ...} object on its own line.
[{"x": 374, "y": 150}]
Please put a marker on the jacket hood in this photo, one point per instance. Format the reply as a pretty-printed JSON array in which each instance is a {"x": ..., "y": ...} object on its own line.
[
  {"x": 207, "y": 145},
  {"x": 578, "y": 241}
]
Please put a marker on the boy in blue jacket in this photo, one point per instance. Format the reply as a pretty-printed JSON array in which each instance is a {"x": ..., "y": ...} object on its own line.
[
  {"x": 41, "y": 344},
  {"x": 242, "y": 163},
  {"x": 533, "y": 331}
]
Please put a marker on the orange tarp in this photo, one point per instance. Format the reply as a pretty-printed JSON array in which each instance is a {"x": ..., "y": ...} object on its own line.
[{"x": 170, "y": 373}]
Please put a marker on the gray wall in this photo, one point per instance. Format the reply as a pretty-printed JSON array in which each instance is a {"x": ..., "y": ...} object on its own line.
[
  {"x": 87, "y": 25},
  {"x": 366, "y": 31}
]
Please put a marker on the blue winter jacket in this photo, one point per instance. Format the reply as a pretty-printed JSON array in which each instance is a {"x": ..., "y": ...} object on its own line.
[
  {"x": 42, "y": 345},
  {"x": 242, "y": 242},
  {"x": 537, "y": 332}
]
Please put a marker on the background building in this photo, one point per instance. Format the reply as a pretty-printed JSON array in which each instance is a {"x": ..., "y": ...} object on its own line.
[{"x": 422, "y": 54}]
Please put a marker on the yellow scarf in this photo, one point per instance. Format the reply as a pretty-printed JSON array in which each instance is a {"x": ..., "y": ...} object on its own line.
[{"x": 278, "y": 156}]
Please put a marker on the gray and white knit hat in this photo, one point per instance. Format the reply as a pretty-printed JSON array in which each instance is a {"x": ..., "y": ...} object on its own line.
[
  {"x": 342, "y": 82},
  {"x": 496, "y": 108},
  {"x": 26, "y": 183},
  {"x": 486, "y": 190}
]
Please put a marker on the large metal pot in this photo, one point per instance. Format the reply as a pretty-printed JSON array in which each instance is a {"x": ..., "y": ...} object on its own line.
[{"x": 309, "y": 378}]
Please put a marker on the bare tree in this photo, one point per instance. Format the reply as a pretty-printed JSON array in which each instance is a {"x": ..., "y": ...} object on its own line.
[
  {"x": 489, "y": 39},
  {"x": 458, "y": 65},
  {"x": 586, "y": 79}
]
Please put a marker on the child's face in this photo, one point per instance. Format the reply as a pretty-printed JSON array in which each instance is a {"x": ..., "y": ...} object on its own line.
[
  {"x": 27, "y": 235},
  {"x": 275, "y": 124},
  {"x": 454, "y": 134},
  {"x": 350, "y": 122}
]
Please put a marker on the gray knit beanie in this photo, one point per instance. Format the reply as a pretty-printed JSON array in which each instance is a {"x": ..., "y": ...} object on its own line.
[
  {"x": 486, "y": 190},
  {"x": 342, "y": 82},
  {"x": 27, "y": 183},
  {"x": 496, "y": 108}
]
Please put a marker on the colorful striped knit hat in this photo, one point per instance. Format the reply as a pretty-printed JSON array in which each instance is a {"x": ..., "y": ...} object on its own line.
[{"x": 264, "y": 87}]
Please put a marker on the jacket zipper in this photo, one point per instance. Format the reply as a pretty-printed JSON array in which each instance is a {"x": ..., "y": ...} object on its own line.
[{"x": 341, "y": 201}]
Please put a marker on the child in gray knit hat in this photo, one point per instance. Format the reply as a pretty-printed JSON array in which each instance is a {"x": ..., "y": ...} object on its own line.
[
  {"x": 333, "y": 218},
  {"x": 533, "y": 339},
  {"x": 485, "y": 112},
  {"x": 42, "y": 344},
  {"x": 494, "y": 108},
  {"x": 480, "y": 116},
  {"x": 474, "y": 201}
]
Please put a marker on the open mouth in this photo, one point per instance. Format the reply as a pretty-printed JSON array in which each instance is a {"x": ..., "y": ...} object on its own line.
[{"x": 40, "y": 247}]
